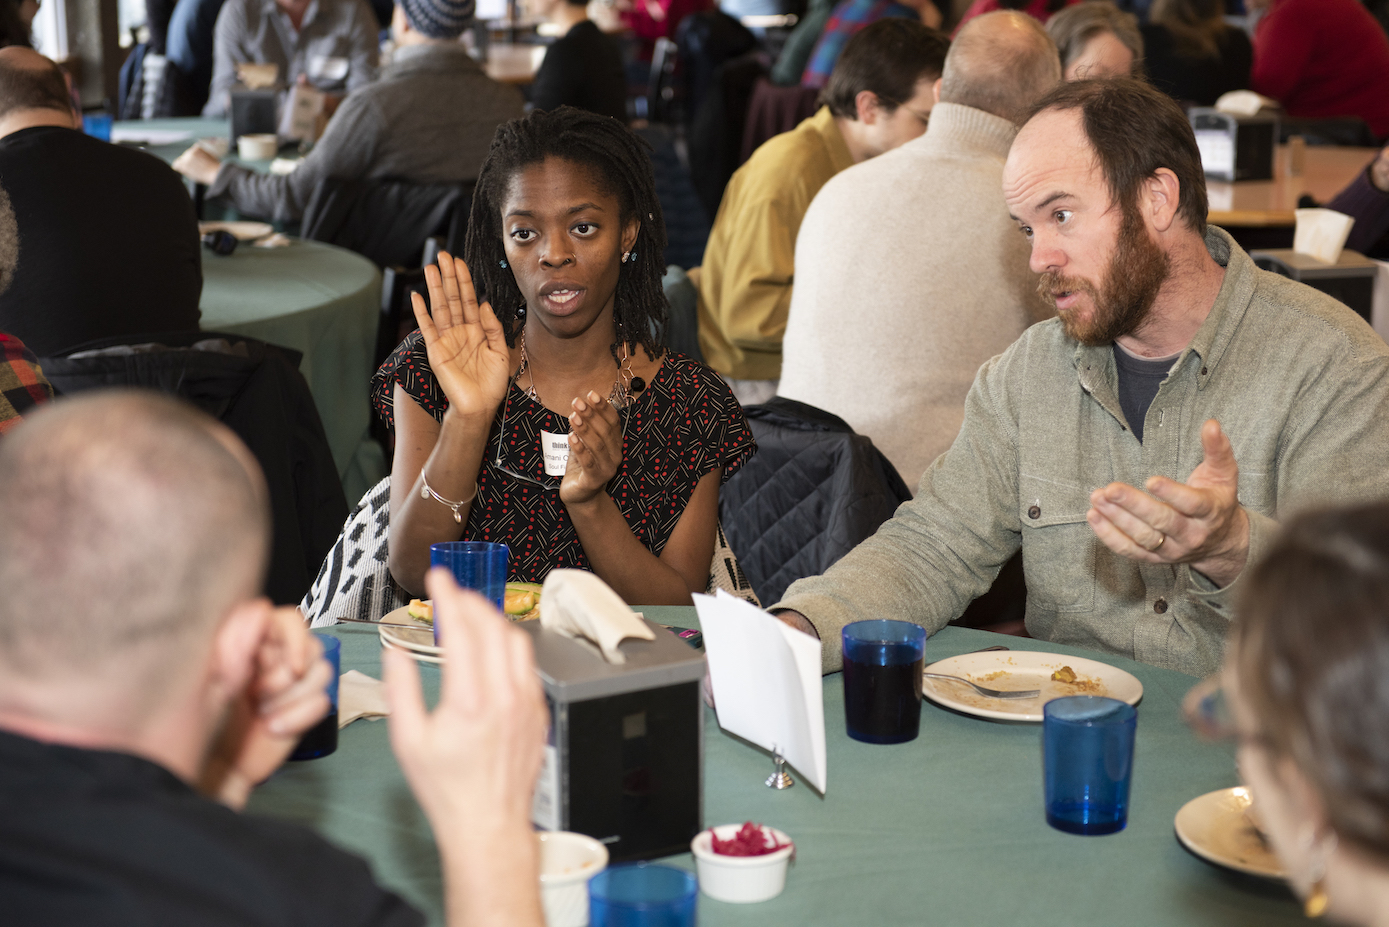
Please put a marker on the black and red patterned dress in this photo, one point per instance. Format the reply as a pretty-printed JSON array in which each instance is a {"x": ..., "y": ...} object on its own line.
[{"x": 684, "y": 424}]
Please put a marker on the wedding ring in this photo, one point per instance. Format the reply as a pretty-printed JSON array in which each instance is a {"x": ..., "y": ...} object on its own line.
[{"x": 1162, "y": 539}]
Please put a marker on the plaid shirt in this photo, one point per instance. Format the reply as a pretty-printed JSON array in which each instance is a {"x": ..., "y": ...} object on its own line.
[
  {"x": 849, "y": 17},
  {"x": 22, "y": 385}
]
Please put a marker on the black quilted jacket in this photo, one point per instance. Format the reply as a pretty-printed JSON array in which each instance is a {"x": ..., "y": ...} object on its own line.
[{"x": 814, "y": 490}]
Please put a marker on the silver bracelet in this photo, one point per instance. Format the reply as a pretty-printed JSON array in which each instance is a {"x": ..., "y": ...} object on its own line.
[{"x": 426, "y": 492}]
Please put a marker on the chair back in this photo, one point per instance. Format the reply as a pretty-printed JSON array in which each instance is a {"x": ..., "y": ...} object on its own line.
[
  {"x": 257, "y": 391},
  {"x": 385, "y": 221},
  {"x": 810, "y": 494},
  {"x": 774, "y": 110}
]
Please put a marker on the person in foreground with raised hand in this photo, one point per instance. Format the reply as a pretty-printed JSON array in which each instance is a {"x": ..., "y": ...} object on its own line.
[
  {"x": 146, "y": 687},
  {"x": 473, "y": 762},
  {"x": 551, "y": 333}
]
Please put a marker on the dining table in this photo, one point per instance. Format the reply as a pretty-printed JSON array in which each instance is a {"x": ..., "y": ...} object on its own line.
[
  {"x": 1325, "y": 171},
  {"x": 318, "y": 299},
  {"x": 946, "y": 829}
]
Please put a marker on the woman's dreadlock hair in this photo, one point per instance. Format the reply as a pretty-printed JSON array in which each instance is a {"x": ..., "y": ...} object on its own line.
[{"x": 622, "y": 161}]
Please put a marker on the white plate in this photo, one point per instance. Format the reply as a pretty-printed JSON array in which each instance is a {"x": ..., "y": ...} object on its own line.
[
  {"x": 1023, "y": 669},
  {"x": 242, "y": 231},
  {"x": 422, "y": 657},
  {"x": 1216, "y": 828},
  {"x": 419, "y": 641}
]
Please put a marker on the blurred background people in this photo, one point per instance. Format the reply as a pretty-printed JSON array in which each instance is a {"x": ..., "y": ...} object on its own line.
[
  {"x": 1040, "y": 10},
  {"x": 332, "y": 44},
  {"x": 22, "y": 384},
  {"x": 583, "y": 67},
  {"x": 1321, "y": 59},
  {"x": 847, "y": 18},
  {"x": 108, "y": 240},
  {"x": 17, "y": 21},
  {"x": 1366, "y": 199},
  {"x": 880, "y": 95},
  {"x": 1305, "y": 676},
  {"x": 429, "y": 119},
  {"x": 1096, "y": 40},
  {"x": 909, "y": 271},
  {"x": 1191, "y": 53}
]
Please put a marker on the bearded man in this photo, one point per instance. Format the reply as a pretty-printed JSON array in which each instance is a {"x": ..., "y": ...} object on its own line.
[{"x": 1140, "y": 447}]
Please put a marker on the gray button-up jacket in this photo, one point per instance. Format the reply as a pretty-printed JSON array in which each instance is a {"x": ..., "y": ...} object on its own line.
[
  {"x": 335, "y": 46},
  {"x": 1299, "y": 383}
]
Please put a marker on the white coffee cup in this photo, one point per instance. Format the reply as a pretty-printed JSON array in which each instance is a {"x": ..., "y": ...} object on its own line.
[
  {"x": 258, "y": 147},
  {"x": 567, "y": 862}
]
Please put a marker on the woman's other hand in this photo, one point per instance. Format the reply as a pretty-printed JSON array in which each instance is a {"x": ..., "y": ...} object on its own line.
[
  {"x": 465, "y": 342},
  {"x": 595, "y": 449}
]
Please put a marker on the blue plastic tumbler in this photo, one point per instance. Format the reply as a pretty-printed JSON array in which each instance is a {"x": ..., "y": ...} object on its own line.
[
  {"x": 882, "y": 680},
  {"x": 98, "y": 125},
  {"x": 642, "y": 895},
  {"x": 1087, "y": 763},
  {"x": 476, "y": 565},
  {"x": 322, "y": 738}
]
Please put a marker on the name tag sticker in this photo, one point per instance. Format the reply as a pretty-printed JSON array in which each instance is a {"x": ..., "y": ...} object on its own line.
[
  {"x": 327, "y": 67},
  {"x": 556, "y": 450}
]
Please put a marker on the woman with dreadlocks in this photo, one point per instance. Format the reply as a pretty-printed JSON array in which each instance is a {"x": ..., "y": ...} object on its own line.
[{"x": 564, "y": 245}]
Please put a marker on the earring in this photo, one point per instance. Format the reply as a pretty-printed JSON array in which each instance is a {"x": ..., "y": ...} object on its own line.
[
  {"x": 521, "y": 312},
  {"x": 1317, "y": 899},
  {"x": 502, "y": 262},
  {"x": 625, "y": 255}
]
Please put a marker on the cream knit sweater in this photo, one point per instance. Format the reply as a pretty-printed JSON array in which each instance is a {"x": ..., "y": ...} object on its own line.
[{"x": 909, "y": 275}]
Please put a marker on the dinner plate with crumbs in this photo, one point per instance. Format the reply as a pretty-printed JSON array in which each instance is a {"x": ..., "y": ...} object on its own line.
[
  {"x": 1217, "y": 827},
  {"x": 418, "y": 640},
  {"x": 1056, "y": 674}
]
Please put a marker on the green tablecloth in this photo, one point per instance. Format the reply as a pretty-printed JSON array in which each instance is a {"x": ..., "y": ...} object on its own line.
[{"x": 947, "y": 829}]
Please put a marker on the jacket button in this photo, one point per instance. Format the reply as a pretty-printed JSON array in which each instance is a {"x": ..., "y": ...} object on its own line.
[
  {"x": 1034, "y": 512},
  {"x": 1160, "y": 606}
]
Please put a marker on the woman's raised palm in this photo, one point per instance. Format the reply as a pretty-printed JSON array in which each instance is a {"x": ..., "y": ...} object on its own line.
[{"x": 465, "y": 343}]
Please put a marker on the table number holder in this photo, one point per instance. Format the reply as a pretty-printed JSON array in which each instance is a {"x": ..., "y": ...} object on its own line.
[{"x": 779, "y": 779}]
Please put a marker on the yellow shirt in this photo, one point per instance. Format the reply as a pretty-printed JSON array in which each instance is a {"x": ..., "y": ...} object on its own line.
[{"x": 749, "y": 262}]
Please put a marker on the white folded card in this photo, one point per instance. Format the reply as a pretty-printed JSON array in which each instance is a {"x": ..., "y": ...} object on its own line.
[
  {"x": 766, "y": 682},
  {"x": 578, "y": 604}
]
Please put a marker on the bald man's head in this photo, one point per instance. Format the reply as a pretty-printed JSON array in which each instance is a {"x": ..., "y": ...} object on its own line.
[
  {"x": 28, "y": 80},
  {"x": 1001, "y": 63},
  {"x": 133, "y": 523}
]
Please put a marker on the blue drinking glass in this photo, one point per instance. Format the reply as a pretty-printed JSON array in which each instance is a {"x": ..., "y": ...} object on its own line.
[
  {"x": 882, "y": 680},
  {"x": 476, "y": 565},
  {"x": 1087, "y": 763},
  {"x": 642, "y": 895},
  {"x": 322, "y": 738},
  {"x": 98, "y": 125}
]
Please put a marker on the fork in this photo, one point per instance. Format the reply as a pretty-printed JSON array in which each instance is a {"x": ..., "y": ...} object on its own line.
[{"x": 985, "y": 691}]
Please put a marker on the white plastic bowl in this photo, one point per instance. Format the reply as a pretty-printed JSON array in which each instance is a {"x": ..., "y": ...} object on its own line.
[
  {"x": 567, "y": 862},
  {"x": 740, "y": 879}
]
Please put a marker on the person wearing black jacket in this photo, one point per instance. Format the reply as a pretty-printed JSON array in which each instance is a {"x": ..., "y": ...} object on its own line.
[
  {"x": 583, "y": 68},
  {"x": 108, "y": 239}
]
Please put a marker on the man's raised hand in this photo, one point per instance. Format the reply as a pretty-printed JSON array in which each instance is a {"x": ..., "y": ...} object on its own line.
[{"x": 1199, "y": 522}]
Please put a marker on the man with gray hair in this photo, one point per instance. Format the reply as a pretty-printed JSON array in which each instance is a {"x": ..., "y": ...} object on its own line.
[
  {"x": 909, "y": 272},
  {"x": 428, "y": 120},
  {"x": 146, "y": 688}
]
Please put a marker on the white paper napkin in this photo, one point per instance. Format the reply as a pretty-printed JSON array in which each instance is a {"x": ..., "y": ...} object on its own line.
[
  {"x": 1321, "y": 233},
  {"x": 360, "y": 696},
  {"x": 579, "y": 604}
]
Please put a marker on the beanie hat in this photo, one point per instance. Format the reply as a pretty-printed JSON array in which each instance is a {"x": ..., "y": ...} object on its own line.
[{"x": 439, "y": 19}]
